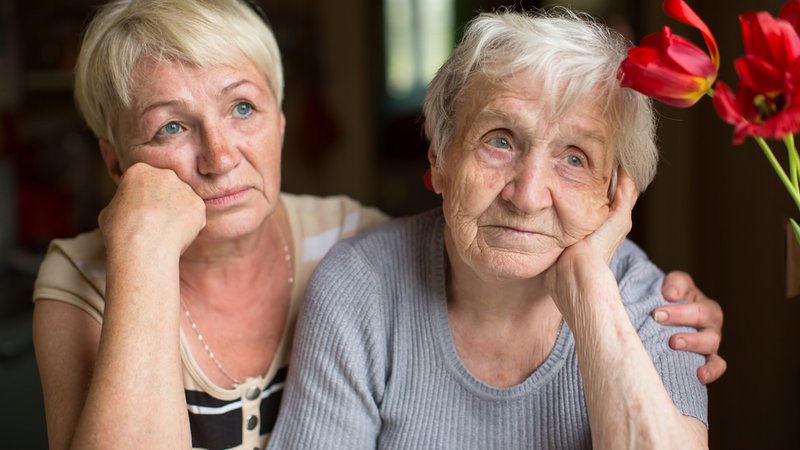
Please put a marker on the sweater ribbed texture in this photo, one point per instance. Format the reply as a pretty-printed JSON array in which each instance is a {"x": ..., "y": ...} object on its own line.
[{"x": 374, "y": 365}]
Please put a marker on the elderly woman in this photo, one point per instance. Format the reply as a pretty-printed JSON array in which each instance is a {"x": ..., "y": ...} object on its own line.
[
  {"x": 171, "y": 325},
  {"x": 517, "y": 315}
]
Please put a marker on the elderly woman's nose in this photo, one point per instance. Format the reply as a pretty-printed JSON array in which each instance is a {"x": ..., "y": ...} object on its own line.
[
  {"x": 218, "y": 154},
  {"x": 530, "y": 189}
]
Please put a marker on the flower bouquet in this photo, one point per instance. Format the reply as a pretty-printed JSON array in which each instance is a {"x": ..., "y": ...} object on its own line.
[{"x": 673, "y": 70}]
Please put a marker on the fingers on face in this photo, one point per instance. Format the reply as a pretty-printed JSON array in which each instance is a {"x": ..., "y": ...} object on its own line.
[{"x": 625, "y": 193}]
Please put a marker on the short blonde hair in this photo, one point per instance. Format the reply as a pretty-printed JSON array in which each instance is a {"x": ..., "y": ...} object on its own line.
[
  {"x": 202, "y": 33},
  {"x": 573, "y": 55}
]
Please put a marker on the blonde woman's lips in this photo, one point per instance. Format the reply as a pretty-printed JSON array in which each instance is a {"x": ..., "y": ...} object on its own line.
[{"x": 229, "y": 197}]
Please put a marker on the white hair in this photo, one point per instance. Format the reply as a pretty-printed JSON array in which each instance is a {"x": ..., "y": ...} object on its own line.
[{"x": 574, "y": 56}]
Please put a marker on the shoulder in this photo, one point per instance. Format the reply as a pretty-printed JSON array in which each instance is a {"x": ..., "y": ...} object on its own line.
[
  {"x": 386, "y": 254},
  {"x": 405, "y": 232},
  {"x": 84, "y": 254},
  {"x": 639, "y": 283},
  {"x": 74, "y": 271},
  {"x": 320, "y": 222},
  {"x": 334, "y": 211},
  {"x": 635, "y": 273}
]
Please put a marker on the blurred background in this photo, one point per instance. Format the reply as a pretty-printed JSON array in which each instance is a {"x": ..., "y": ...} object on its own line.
[{"x": 356, "y": 72}]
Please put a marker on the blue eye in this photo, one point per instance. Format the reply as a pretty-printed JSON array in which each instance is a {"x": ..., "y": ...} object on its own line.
[
  {"x": 243, "y": 109},
  {"x": 574, "y": 161},
  {"x": 171, "y": 129},
  {"x": 500, "y": 142}
]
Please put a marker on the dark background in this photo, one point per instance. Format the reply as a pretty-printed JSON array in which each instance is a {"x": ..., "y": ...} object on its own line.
[{"x": 715, "y": 210}]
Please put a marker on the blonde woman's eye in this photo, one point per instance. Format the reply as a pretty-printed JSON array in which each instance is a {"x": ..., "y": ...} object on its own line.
[
  {"x": 574, "y": 161},
  {"x": 500, "y": 142},
  {"x": 243, "y": 109},
  {"x": 171, "y": 129}
]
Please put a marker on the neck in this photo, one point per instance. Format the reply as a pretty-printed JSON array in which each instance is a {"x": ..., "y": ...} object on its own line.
[{"x": 236, "y": 270}]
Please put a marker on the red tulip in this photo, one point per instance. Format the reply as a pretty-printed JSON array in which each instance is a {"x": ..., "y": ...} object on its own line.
[
  {"x": 772, "y": 48},
  {"x": 767, "y": 103},
  {"x": 755, "y": 114},
  {"x": 670, "y": 68}
]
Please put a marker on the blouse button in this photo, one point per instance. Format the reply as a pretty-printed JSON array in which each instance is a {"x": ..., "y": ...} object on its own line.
[
  {"x": 252, "y": 421},
  {"x": 252, "y": 393}
]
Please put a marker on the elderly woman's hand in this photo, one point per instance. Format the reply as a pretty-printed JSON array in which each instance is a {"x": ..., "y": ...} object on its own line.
[
  {"x": 152, "y": 207},
  {"x": 582, "y": 271}
]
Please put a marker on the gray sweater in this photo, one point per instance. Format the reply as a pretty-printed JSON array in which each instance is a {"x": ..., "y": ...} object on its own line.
[{"x": 374, "y": 365}]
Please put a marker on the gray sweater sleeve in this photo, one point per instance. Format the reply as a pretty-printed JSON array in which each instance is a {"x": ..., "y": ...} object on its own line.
[{"x": 337, "y": 371}]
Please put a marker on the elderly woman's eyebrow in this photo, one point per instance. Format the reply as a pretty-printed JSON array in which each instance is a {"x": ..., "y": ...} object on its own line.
[
  {"x": 497, "y": 115},
  {"x": 509, "y": 118},
  {"x": 592, "y": 133}
]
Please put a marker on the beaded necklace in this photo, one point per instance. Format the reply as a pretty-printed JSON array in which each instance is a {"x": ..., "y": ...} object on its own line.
[{"x": 236, "y": 380}]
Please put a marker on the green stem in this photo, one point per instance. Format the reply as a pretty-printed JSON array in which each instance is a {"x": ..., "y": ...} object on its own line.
[
  {"x": 794, "y": 160},
  {"x": 779, "y": 170}
]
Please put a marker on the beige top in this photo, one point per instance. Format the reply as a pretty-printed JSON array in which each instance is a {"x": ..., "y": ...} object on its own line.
[{"x": 73, "y": 271}]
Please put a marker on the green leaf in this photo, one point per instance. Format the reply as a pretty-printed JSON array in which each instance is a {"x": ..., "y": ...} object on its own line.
[{"x": 796, "y": 229}]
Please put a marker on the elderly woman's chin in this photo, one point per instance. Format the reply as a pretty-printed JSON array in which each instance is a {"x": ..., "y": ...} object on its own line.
[
  {"x": 490, "y": 260},
  {"x": 515, "y": 265}
]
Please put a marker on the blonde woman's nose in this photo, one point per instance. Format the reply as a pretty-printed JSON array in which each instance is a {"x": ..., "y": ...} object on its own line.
[{"x": 218, "y": 153}]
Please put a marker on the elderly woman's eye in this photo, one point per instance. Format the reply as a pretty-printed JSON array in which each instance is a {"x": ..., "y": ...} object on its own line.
[
  {"x": 575, "y": 161},
  {"x": 243, "y": 109},
  {"x": 171, "y": 129},
  {"x": 500, "y": 142}
]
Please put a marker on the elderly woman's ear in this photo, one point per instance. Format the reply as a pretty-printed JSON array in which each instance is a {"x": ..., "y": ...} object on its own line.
[
  {"x": 436, "y": 172},
  {"x": 111, "y": 160}
]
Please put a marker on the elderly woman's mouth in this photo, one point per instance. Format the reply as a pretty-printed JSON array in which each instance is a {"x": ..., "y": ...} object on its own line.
[
  {"x": 519, "y": 230},
  {"x": 521, "y": 237}
]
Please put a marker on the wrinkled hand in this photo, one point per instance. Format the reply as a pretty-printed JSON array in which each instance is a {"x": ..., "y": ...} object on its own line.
[
  {"x": 582, "y": 270},
  {"x": 152, "y": 207},
  {"x": 699, "y": 312}
]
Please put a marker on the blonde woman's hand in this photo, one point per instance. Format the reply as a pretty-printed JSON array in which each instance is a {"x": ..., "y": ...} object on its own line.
[
  {"x": 152, "y": 209},
  {"x": 691, "y": 307}
]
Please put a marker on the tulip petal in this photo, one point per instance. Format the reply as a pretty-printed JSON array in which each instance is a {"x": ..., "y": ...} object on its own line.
[
  {"x": 740, "y": 111},
  {"x": 725, "y": 104},
  {"x": 679, "y": 10},
  {"x": 662, "y": 83},
  {"x": 684, "y": 54},
  {"x": 790, "y": 12},
  {"x": 772, "y": 39},
  {"x": 759, "y": 74}
]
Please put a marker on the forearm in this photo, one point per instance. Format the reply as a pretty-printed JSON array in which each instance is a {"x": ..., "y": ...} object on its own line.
[
  {"x": 628, "y": 404},
  {"x": 136, "y": 398}
]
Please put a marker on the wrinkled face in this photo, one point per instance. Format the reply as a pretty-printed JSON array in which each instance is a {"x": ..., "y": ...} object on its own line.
[
  {"x": 519, "y": 187},
  {"x": 219, "y": 129}
]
